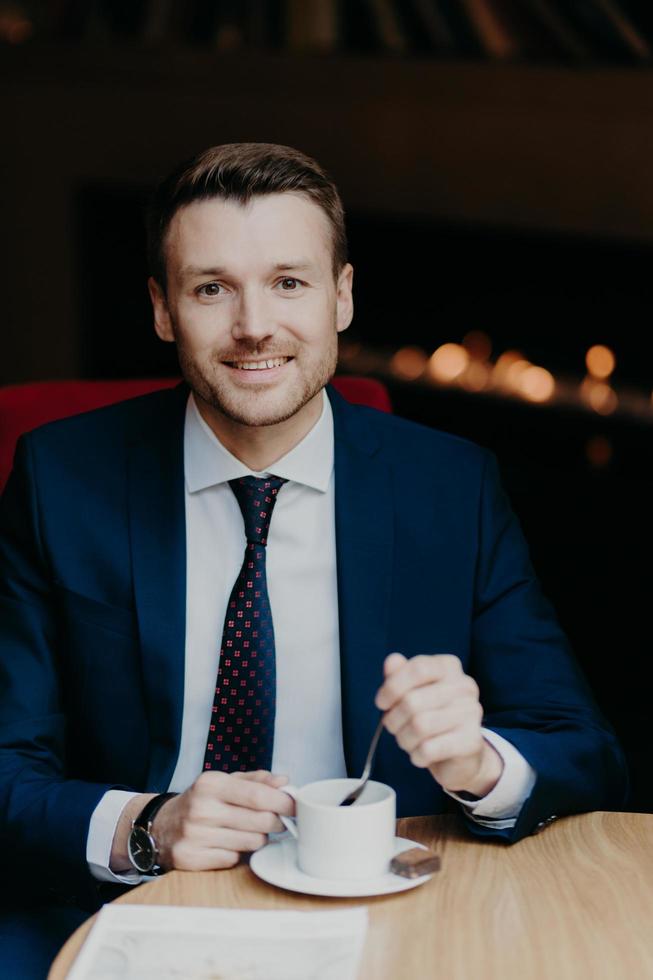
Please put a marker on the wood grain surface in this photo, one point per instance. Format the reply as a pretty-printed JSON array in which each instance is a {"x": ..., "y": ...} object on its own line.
[{"x": 570, "y": 903}]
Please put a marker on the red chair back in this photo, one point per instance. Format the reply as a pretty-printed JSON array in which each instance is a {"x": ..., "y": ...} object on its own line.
[{"x": 24, "y": 407}]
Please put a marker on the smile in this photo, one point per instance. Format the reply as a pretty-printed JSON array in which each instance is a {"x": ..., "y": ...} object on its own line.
[{"x": 259, "y": 365}]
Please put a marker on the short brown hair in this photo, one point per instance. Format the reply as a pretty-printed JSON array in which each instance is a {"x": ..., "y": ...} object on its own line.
[{"x": 240, "y": 171}]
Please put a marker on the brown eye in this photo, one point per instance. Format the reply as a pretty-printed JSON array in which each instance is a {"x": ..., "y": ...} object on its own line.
[
  {"x": 289, "y": 284},
  {"x": 211, "y": 289}
]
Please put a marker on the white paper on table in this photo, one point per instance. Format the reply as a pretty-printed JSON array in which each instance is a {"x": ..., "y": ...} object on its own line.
[{"x": 149, "y": 942}]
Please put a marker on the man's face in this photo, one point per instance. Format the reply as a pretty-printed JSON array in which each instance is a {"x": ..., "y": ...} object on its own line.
[{"x": 253, "y": 304}]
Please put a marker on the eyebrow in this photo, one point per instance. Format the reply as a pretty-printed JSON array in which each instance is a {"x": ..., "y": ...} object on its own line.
[
  {"x": 217, "y": 271},
  {"x": 196, "y": 270},
  {"x": 300, "y": 266}
]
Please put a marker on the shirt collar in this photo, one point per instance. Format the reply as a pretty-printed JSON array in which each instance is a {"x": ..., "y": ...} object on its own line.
[{"x": 207, "y": 462}]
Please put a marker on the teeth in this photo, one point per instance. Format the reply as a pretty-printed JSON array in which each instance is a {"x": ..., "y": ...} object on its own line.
[{"x": 260, "y": 365}]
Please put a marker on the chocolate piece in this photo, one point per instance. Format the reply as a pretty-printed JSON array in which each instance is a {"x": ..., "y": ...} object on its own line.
[{"x": 415, "y": 863}]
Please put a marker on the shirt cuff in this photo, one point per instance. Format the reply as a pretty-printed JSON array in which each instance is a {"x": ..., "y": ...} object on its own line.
[
  {"x": 500, "y": 808},
  {"x": 101, "y": 832}
]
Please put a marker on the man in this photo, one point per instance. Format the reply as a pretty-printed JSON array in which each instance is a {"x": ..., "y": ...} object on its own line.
[{"x": 203, "y": 590}]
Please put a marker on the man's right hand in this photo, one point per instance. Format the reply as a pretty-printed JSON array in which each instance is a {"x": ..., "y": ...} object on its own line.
[{"x": 221, "y": 816}]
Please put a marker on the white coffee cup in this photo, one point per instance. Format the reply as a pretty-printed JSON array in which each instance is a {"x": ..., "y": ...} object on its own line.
[{"x": 333, "y": 841}]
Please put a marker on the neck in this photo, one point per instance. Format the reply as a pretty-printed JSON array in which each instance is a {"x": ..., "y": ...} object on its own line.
[{"x": 259, "y": 446}]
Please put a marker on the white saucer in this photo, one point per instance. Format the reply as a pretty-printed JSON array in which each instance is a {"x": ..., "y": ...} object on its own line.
[{"x": 276, "y": 863}]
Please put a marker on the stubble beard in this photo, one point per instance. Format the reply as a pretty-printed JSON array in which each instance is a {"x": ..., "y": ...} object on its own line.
[{"x": 255, "y": 407}]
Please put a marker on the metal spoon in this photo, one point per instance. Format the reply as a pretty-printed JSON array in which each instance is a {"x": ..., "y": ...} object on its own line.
[{"x": 357, "y": 790}]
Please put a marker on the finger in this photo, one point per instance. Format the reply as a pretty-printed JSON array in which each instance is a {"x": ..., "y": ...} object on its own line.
[
  {"x": 430, "y": 724},
  {"x": 262, "y": 776},
  {"x": 254, "y": 775},
  {"x": 277, "y": 781},
  {"x": 416, "y": 672},
  {"x": 186, "y": 857},
  {"x": 242, "y": 818},
  {"x": 393, "y": 662},
  {"x": 205, "y": 836},
  {"x": 243, "y": 841},
  {"x": 440, "y": 696},
  {"x": 256, "y": 795},
  {"x": 453, "y": 745},
  {"x": 230, "y": 827},
  {"x": 431, "y": 697}
]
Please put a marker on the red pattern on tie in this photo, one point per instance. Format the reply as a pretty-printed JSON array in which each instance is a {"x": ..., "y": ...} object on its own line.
[{"x": 241, "y": 733}]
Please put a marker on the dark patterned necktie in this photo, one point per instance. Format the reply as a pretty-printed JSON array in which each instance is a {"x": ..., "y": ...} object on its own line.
[{"x": 241, "y": 732}]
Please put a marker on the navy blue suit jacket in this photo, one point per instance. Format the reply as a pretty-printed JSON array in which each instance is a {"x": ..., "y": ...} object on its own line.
[{"x": 92, "y": 594}]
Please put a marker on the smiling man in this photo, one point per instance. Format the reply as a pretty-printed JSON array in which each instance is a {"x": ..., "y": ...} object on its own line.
[
  {"x": 203, "y": 590},
  {"x": 256, "y": 327}
]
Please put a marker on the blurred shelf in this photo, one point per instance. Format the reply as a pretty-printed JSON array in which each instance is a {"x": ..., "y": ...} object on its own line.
[
  {"x": 182, "y": 64},
  {"x": 513, "y": 145},
  {"x": 532, "y": 148}
]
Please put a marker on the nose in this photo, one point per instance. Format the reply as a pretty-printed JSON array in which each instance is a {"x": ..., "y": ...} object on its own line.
[{"x": 252, "y": 320}]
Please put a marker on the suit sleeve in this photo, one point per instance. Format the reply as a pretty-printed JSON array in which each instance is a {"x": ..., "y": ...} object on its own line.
[
  {"x": 44, "y": 814},
  {"x": 531, "y": 688}
]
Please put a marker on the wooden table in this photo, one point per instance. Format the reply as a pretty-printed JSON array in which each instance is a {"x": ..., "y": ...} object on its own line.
[{"x": 573, "y": 902}]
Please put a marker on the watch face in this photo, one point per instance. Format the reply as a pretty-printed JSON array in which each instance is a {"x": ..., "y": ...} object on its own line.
[{"x": 142, "y": 849}]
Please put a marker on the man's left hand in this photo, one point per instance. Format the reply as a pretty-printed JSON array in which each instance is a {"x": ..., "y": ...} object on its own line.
[{"x": 432, "y": 708}]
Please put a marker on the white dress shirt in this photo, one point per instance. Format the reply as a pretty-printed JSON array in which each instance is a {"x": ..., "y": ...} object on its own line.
[{"x": 302, "y": 585}]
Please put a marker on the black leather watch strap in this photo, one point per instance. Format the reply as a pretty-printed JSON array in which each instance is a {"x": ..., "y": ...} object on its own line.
[
  {"x": 150, "y": 810},
  {"x": 141, "y": 846}
]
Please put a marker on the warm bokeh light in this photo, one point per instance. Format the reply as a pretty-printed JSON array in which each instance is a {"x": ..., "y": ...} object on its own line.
[
  {"x": 409, "y": 363},
  {"x": 503, "y": 364},
  {"x": 600, "y": 361},
  {"x": 512, "y": 376},
  {"x": 448, "y": 362},
  {"x": 476, "y": 377},
  {"x": 536, "y": 384},
  {"x": 599, "y": 396},
  {"x": 15, "y": 26},
  {"x": 478, "y": 344},
  {"x": 515, "y": 372},
  {"x": 598, "y": 451}
]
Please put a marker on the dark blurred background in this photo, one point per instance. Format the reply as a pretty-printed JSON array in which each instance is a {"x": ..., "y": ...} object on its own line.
[{"x": 496, "y": 163}]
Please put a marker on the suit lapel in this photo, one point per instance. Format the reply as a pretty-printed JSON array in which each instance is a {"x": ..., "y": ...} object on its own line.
[
  {"x": 364, "y": 543},
  {"x": 158, "y": 535}
]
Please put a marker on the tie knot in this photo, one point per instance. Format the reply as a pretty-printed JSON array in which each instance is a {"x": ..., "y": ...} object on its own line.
[{"x": 256, "y": 498}]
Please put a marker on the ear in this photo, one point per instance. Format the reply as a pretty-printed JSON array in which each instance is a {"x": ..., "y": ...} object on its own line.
[
  {"x": 344, "y": 298},
  {"x": 162, "y": 319}
]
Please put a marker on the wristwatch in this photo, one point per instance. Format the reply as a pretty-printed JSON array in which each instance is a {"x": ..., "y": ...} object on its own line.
[{"x": 141, "y": 846}]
